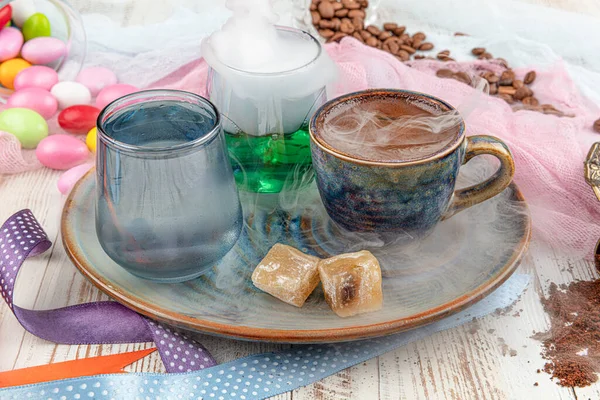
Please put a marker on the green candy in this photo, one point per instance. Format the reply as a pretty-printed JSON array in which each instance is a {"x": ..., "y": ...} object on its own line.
[
  {"x": 37, "y": 25},
  {"x": 27, "y": 125}
]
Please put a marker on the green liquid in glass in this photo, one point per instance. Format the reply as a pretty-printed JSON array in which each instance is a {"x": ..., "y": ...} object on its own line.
[{"x": 271, "y": 163}]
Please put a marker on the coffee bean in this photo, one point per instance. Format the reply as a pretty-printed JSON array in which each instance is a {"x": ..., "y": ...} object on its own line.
[
  {"x": 316, "y": 17},
  {"x": 507, "y": 98},
  {"x": 426, "y": 46},
  {"x": 529, "y": 77},
  {"x": 394, "y": 47},
  {"x": 403, "y": 55},
  {"x": 326, "y": 33},
  {"x": 408, "y": 49},
  {"x": 517, "y": 84},
  {"x": 507, "y": 77},
  {"x": 372, "y": 41},
  {"x": 419, "y": 35},
  {"x": 477, "y": 51},
  {"x": 419, "y": 56},
  {"x": 358, "y": 23},
  {"x": 416, "y": 43},
  {"x": 337, "y": 23},
  {"x": 347, "y": 27},
  {"x": 357, "y": 13},
  {"x": 358, "y": 36},
  {"x": 405, "y": 38},
  {"x": 373, "y": 30},
  {"x": 326, "y": 24},
  {"x": 444, "y": 73},
  {"x": 460, "y": 34},
  {"x": 365, "y": 34},
  {"x": 313, "y": 7},
  {"x": 364, "y": 3},
  {"x": 490, "y": 77},
  {"x": 390, "y": 26},
  {"x": 351, "y": 4},
  {"x": 326, "y": 9},
  {"x": 399, "y": 30},
  {"x": 530, "y": 101},
  {"x": 337, "y": 6},
  {"x": 444, "y": 53},
  {"x": 337, "y": 37},
  {"x": 508, "y": 90},
  {"x": 341, "y": 13},
  {"x": 596, "y": 125},
  {"x": 463, "y": 77},
  {"x": 493, "y": 88},
  {"x": 384, "y": 35},
  {"x": 446, "y": 59},
  {"x": 523, "y": 92},
  {"x": 486, "y": 56}
]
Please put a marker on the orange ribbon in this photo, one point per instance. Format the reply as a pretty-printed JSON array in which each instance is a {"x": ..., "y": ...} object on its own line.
[{"x": 72, "y": 369}]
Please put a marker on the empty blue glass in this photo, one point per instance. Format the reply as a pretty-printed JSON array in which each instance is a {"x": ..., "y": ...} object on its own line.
[{"x": 167, "y": 205}]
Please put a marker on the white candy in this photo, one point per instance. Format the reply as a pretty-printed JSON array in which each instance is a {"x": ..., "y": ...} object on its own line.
[
  {"x": 22, "y": 10},
  {"x": 71, "y": 94}
]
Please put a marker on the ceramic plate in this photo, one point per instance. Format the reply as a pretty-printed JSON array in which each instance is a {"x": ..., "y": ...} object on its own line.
[{"x": 465, "y": 259}]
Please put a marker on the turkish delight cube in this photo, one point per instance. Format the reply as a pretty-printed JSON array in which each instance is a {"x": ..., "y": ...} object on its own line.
[
  {"x": 288, "y": 274},
  {"x": 352, "y": 283}
]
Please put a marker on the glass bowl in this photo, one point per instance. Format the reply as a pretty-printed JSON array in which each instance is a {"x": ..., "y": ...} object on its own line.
[{"x": 66, "y": 24}]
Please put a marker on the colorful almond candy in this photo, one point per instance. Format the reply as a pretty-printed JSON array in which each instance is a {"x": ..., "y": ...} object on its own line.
[
  {"x": 37, "y": 76},
  {"x": 78, "y": 119},
  {"x": 5, "y": 15},
  {"x": 113, "y": 92},
  {"x": 22, "y": 10},
  {"x": 44, "y": 50},
  {"x": 11, "y": 40},
  {"x": 37, "y": 25},
  {"x": 352, "y": 283},
  {"x": 9, "y": 70},
  {"x": 90, "y": 139},
  {"x": 61, "y": 151},
  {"x": 96, "y": 79},
  {"x": 27, "y": 125},
  {"x": 70, "y": 94},
  {"x": 288, "y": 274},
  {"x": 36, "y": 99}
]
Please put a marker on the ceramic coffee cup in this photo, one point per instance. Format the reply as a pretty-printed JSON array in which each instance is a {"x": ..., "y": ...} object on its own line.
[{"x": 409, "y": 196}]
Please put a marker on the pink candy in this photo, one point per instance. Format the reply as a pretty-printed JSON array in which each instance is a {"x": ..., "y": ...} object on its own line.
[
  {"x": 11, "y": 40},
  {"x": 43, "y": 50},
  {"x": 68, "y": 179},
  {"x": 37, "y": 76},
  {"x": 36, "y": 99},
  {"x": 61, "y": 151},
  {"x": 96, "y": 79},
  {"x": 113, "y": 92}
]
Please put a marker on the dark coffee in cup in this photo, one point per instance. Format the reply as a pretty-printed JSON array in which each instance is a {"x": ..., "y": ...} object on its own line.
[{"x": 387, "y": 129}]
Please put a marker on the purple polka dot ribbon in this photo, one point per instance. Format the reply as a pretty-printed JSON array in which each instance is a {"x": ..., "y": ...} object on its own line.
[{"x": 103, "y": 322}]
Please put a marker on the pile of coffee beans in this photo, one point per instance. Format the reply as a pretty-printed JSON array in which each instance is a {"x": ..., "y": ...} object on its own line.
[{"x": 335, "y": 19}]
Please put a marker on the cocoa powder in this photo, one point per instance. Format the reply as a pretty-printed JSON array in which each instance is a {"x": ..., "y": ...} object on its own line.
[{"x": 572, "y": 344}]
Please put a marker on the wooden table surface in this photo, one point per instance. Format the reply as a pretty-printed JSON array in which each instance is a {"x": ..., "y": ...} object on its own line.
[{"x": 494, "y": 358}]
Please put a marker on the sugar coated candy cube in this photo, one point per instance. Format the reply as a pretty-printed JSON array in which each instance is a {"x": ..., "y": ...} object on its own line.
[
  {"x": 287, "y": 274},
  {"x": 352, "y": 283}
]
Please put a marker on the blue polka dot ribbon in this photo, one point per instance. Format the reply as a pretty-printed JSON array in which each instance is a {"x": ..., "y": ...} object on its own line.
[
  {"x": 102, "y": 322},
  {"x": 250, "y": 378}
]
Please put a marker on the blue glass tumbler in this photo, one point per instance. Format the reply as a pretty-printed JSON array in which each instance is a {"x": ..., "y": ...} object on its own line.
[{"x": 167, "y": 204}]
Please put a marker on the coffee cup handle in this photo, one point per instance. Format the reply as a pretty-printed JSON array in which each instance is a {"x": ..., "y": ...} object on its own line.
[{"x": 469, "y": 196}]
